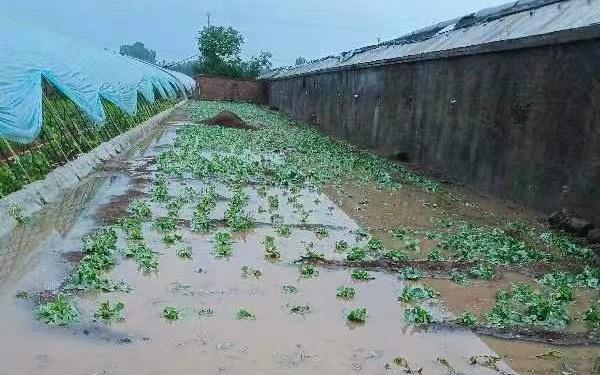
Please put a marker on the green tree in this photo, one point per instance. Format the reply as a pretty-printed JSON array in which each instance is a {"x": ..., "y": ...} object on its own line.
[
  {"x": 220, "y": 50},
  {"x": 300, "y": 60},
  {"x": 139, "y": 51}
]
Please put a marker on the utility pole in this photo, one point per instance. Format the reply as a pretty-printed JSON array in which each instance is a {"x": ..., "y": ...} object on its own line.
[{"x": 208, "y": 19}]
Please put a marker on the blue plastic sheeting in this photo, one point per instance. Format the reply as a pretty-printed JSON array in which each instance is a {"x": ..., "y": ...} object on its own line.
[{"x": 83, "y": 73}]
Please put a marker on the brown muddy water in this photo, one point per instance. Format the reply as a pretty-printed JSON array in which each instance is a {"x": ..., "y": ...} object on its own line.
[{"x": 39, "y": 257}]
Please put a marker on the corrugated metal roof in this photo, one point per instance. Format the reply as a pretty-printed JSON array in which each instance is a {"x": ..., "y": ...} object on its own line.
[{"x": 510, "y": 21}]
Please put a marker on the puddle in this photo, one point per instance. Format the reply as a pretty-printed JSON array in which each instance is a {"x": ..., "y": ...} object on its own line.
[{"x": 278, "y": 341}]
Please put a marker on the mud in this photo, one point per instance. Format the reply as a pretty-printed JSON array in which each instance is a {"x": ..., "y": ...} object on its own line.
[
  {"x": 277, "y": 341},
  {"x": 228, "y": 119}
]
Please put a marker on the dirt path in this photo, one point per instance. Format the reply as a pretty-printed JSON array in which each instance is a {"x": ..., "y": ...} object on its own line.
[{"x": 297, "y": 324}]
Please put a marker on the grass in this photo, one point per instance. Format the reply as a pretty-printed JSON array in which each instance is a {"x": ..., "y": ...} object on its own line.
[
  {"x": 345, "y": 292},
  {"x": 222, "y": 244},
  {"x": 111, "y": 314},
  {"x": 271, "y": 251},
  {"x": 417, "y": 293},
  {"x": 361, "y": 275},
  {"x": 358, "y": 315},
  {"x": 418, "y": 316},
  {"x": 59, "y": 312},
  {"x": 171, "y": 314},
  {"x": 308, "y": 271},
  {"x": 245, "y": 314}
]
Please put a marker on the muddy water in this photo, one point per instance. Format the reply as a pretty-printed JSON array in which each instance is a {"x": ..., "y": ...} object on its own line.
[
  {"x": 276, "y": 342},
  {"x": 409, "y": 207}
]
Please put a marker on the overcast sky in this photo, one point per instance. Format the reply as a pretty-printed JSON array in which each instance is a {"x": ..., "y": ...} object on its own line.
[{"x": 308, "y": 28}]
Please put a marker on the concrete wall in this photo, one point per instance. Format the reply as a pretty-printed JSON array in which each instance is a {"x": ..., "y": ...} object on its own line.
[
  {"x": 522, "y": 124},
  {"x": 222, "y": 88}
]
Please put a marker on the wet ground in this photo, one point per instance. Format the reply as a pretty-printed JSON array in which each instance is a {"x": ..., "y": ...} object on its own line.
[{"x": 300, "y": 326}]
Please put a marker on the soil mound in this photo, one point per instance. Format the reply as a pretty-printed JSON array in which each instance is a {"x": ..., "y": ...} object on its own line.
[{"x": 228, "y": 119}]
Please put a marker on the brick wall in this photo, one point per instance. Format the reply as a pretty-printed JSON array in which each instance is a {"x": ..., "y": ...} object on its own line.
[{"x": 223, "y": 88}]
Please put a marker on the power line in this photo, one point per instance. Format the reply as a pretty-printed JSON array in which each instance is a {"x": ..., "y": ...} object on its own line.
[{"x": 193, "y": 57}]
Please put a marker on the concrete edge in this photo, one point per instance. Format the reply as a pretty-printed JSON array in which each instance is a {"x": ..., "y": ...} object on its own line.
[{"x": 33, "y": 197}]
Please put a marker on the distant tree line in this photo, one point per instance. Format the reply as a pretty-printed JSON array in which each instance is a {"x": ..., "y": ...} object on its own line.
[{"x": 219, "y": 53}]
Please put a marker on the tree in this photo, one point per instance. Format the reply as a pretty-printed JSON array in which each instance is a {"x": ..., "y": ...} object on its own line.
[
  {"x": 220, "y": 50},
  {"x": 300, "y": 60},
  {"x": 139, "y": 51}
]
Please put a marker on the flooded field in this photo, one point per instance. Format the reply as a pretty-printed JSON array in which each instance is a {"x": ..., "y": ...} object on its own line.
[{"x": 278, "y": 251}]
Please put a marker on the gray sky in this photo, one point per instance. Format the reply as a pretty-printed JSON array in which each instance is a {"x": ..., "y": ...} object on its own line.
[{"x": 308, "y": 28}]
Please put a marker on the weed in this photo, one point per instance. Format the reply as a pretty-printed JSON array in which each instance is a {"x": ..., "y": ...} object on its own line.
[
  {"x": 418, "y": 316},
  {"x": 308, "y": 271},
  {"x": 304, "y": 216},
  {"x": 345, "y": 292},
  {"x": 485, "y": 360},
  {"x": 201, "y": 219},
  {"x": 361, "y": 275},
  {"x": 184, "y": 252},
  {"x": 235, "y": 216},
  {"x": 244, "y": 314},
  {"x": 271, "y": 251},
  {"x": 22, "y": 294},
  {"x": 174, "y": 206},
  {"x": 60, "y": 312},
  {"x": 467, "y": 319},
  {"x": 262, "y": 191},
  {"x": 412, "y": 273},
  {"x": 171, "y": 313},
  {"x": 417, "y": 293},
  {"x": 110, "y": 314},
  {"x": 400, "y": 233},
  {"x": 356, "y": 254},
  {"x": 222, "y": 244}
]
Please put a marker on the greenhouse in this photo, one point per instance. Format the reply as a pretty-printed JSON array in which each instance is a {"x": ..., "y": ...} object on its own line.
[{"x": 61, "y": 98}]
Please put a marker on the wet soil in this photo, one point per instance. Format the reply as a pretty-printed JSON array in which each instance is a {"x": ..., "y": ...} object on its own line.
[
  {"x": 278, "y": 341},
  {"x": 409, "y": 207}
]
